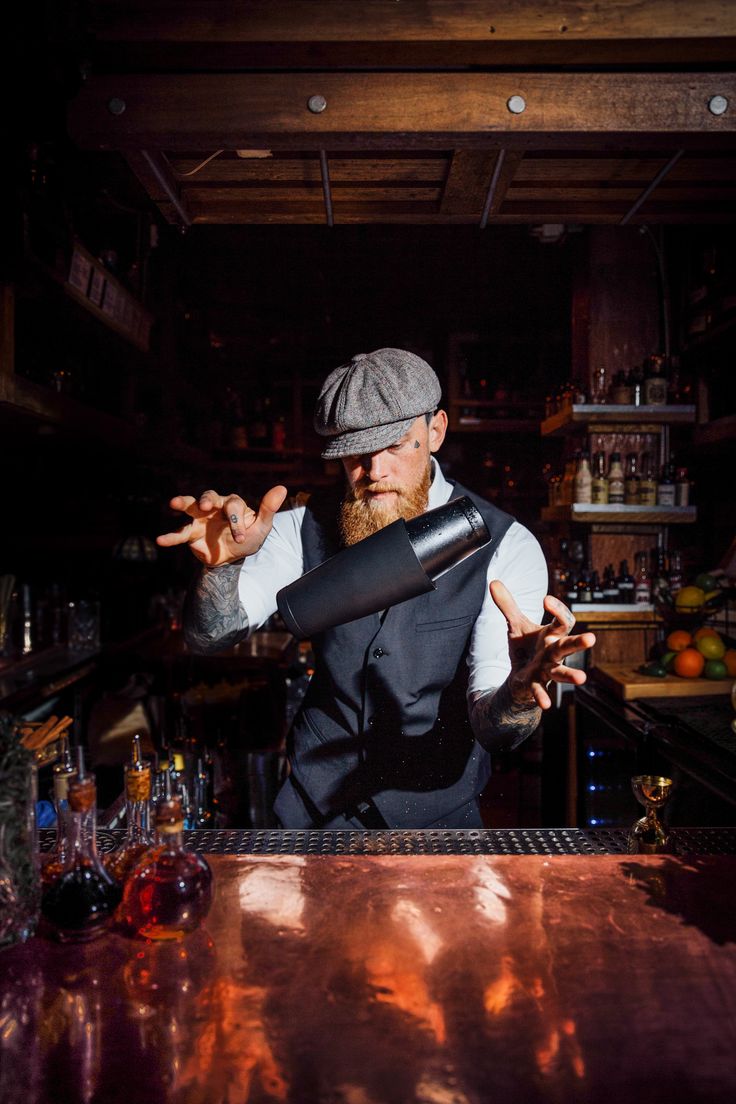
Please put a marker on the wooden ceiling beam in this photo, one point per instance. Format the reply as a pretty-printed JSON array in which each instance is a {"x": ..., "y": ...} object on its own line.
[
  {"x": 396, "y": 110},
  {"x": 440, "y": 33},
  {"x": 467, "y": 182}
]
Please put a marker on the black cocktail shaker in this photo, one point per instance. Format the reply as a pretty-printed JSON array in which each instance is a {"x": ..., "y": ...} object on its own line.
[{"x": 396, "y": 563}]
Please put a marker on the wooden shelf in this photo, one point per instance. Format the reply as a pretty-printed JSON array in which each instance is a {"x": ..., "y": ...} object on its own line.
[
  {"x": 495, "y": 425},
  {"x": 100, "y": 293},
  {"x": 612, "y": 615},
  {"x": 44, "y": 405},
  {"x": 621, "y": 515},
  {"x": 580, "y": 415}
]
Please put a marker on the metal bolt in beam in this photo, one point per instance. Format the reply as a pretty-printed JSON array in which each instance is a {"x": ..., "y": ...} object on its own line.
[
  {"x": 718, "y": 105},
  {"x": 516, "y": 104},
  {"x": 316, "y": 104}
]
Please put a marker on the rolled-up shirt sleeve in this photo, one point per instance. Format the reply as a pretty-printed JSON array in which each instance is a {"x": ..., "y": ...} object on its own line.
[
  {"x": 520, "y": 564},
  {"x": 278, "y": 562}
]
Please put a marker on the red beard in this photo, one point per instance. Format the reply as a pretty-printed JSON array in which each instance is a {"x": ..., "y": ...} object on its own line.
[{"x": 361, "y": 515}]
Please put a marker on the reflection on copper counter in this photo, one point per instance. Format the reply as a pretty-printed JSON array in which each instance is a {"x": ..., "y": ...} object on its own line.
[{"x": 383, "y": 980}]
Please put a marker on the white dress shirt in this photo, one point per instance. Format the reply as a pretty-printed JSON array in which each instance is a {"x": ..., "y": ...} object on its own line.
[{"x": 517, "y": 561}]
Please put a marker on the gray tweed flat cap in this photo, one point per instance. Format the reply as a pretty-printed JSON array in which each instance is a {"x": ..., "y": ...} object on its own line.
[{"x": 370, "y": 403}]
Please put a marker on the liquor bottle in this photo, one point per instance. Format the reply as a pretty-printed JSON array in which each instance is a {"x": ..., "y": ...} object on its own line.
[
  {"x": 611, "y": 589},
  {"x": 615, "y": 480},
  {"x": 169, "y": 892},
  {"x": 599, "y": 485},
  {"x": 660, "y": 583},
  {"x": 583, "y": 478},
  {"x": 79, "y": 904},
  {"x": 568, "y": 482},
  {"x": 631, "y": 482},
  {"x": 139, "y": 837},
  {"x": 674, "y": 575},
  {"x": 682, "y": 487},
  {"x": 621, "y": 394},
  {"x": 201, "y": 813},
  {"x": 585, "y": 589},
  {"x": 625, "y": 584},
  {"x": 666, "y": 485},
  {"x": 655, "y": 381},
  {"x": 63, "y": 773},
  {"x": 642, "y": 580},
  {"x": 571, "y": 593},
  {"x": 598, "y": 595},
  {"x": 647, "y": 483}
]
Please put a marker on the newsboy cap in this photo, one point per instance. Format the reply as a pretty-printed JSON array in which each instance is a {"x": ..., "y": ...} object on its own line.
[{"x": 370, "y": 402}]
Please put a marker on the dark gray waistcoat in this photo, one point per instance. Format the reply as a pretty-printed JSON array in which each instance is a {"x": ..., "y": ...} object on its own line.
[{"x": 385, "y": 717}]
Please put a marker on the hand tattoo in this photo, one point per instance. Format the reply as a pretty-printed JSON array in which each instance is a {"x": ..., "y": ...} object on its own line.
[
  {"x": 213, "y": 616},
  {"x": 500, "y": 723}
]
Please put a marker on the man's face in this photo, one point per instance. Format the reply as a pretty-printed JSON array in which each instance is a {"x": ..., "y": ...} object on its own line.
[{"x": 392, "y": 483}]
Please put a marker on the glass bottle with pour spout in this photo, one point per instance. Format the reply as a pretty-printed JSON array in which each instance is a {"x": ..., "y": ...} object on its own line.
[
  {"x": 139, "y": 837},
  {"x": 78, "y": 905},
  {"x": 63, "y": 774}
]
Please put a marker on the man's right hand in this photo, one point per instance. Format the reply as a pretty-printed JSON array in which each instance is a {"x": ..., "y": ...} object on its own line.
[{"x": 223, "y": 529}]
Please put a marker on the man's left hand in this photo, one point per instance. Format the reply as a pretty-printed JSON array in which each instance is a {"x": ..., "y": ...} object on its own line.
[{"x": 538, "y": 652}]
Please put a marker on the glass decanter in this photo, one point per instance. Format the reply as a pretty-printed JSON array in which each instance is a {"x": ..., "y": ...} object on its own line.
[
  {"x": 139, "y": 837},
  {"x": 169, "y": 892},
  {"x": 78, "y": 905}
]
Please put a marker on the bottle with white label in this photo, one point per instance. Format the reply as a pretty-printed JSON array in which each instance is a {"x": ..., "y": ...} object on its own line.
[
  {"x": 666, "y": 486},
  {"x": 615, "y": 480},
  {"x": 599, "y": 486},
  {"x": 583, "y": 478}
]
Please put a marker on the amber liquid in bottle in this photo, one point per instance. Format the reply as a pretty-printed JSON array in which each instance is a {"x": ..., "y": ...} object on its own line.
[
  {"x": 169, "y": 893},
  {"x": 139, "y": 837}
]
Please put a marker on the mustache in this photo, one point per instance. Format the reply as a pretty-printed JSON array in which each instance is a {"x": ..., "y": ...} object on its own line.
[{"x": 362, "y": 489}]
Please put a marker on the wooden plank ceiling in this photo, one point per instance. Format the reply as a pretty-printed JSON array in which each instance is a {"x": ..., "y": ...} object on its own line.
[{"x": 419, "y": 122}]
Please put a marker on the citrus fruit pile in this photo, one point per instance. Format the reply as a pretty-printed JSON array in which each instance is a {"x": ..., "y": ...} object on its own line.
[{"x": 702, "y": 653}]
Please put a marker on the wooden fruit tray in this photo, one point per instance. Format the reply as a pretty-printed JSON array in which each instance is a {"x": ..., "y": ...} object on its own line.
[{"x": 627, "y": 683}]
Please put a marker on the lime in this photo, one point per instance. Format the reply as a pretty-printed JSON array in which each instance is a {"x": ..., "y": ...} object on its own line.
[
  {"x": 654, "y": 670},
  {"x": 706, "y": 581},
  {"x": 715, "y": 669},
  {"x": 667, "y": 659}
]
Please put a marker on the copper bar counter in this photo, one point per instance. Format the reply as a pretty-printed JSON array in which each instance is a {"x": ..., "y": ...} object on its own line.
[{"x": 371, "y": 977}]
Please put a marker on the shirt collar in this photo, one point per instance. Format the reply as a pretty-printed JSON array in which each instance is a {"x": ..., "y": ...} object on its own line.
[{"x": 439, "y": 489}]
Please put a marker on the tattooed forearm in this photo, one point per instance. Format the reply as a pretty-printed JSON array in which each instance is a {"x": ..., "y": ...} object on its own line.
[
  {"x": 501, "y": 723},
  {"x": 213, "y": 616}
]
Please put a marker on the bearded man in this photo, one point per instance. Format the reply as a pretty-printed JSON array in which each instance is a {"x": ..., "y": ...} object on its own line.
[{"x": 406, "y": 705}]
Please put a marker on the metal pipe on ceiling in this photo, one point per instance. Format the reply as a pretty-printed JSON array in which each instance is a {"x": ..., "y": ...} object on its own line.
[
  {"x": 492, "y": 188},
  {"x": 326, "y": 186},
  {"x": 650, "y": 187},
  {"x": 168, "y": 188}
]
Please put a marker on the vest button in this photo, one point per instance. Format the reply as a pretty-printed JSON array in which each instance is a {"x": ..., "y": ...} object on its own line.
[{"x": 378, "y": 652}]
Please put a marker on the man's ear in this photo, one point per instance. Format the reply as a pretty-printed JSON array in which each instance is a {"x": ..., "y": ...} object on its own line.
[{"x": 437, "y": 430}]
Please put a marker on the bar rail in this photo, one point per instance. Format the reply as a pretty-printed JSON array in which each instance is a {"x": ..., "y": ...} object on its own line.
[{"x": 491, "y": 841}]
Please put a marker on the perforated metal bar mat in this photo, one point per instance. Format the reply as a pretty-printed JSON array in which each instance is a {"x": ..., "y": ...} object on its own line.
[{"x": 515, "y": 841}]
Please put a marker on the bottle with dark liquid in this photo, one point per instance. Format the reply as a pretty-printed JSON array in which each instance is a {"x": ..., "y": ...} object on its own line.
[
  {"x": 169, "y": 892},
  {"x": 139, "y": 837},
  {"x": 626, "y": 584},
  {"x": 78, "y": 905}
]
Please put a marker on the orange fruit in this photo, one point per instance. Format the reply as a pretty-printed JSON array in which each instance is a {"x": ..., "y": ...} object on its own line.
[
  {"x": 712, "y": 647},
  {"x": 730, "y": 660},
  {"x": 678, "y": 639},
  {"x": 704, "y": 630},
  {"x": 689, "y": 663}
]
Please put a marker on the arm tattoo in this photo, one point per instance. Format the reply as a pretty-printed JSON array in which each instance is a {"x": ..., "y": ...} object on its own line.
[
  {"x": 213, "y": 616},
  {"x": 499, "y": 722}
]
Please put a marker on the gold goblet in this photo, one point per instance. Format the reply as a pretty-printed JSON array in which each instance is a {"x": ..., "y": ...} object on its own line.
[{"x": 647, "y": 836}]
